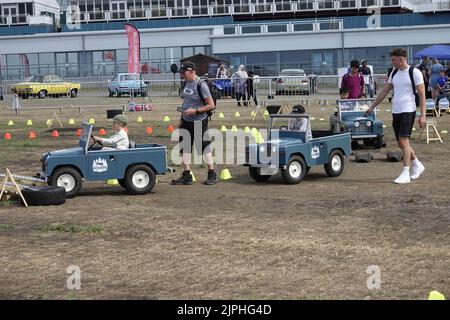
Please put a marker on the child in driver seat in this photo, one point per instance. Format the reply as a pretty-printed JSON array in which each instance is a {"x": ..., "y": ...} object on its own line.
[
  {"x": 119, "y": 140},
  {"x": 300, "y": 124}
]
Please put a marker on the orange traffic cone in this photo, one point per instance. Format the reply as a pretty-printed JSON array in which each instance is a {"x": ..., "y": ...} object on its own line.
[
  {"x": 102, "y": 132},
  {"x": 78, "y": 132},
  {"x": 32, "y": 135},
  {"x": 149, "y": 130},
  {"x": 170, "y": 129},
  {"x": 55, "y": 134},
  {"x": 7, "y": 136}
]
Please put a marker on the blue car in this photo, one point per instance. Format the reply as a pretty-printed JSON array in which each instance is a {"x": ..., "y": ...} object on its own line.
[
  {"x": 135, "y": 168},
  {"x": 350, "y": 117},
  {"x": 127, "y": 83}
]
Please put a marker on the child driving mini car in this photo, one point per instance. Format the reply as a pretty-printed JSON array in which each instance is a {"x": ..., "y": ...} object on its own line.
[
  {"x": 119, "y": 140},
  {"x": 300, "y": 124}
]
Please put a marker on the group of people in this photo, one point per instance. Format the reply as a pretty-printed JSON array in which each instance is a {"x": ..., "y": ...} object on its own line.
[
  {"x": 242, "y": 83},
  {"x": 435, "y": 77}
]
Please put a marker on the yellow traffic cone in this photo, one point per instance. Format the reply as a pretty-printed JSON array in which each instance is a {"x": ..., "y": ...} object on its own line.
[
  {"x": 414, "y": 129},
  {"x": 236, "y": 114},
  {"x": 384, "y": 126},
  {"x": 71, "y": 121},
  {"x": 234, "y": 129},
  {"x": 253, "y": 114},
  {"x": 221, "y": 115},
  {"x": 321, "y": 119},
  {"x": 139, "y": 119},
  {"x": 49, "y": 122},
  {"x": 29, "y": 122},
  {"x": 10, "y": 123},
  {"x": 444, "y": 131},
  {"x": 266, "y": 113},
  {"x": 166, "y": 119},
  {"x": 91, "y": 121},
  {"x": 436, "y": 295},
  {"x": 193, "y": 177},
  {"x": 223, "y": 129},
  {"x": 247, "y": 130},
  {"x": 112, "y": 182},
  {"x": 225, "y": 174}
]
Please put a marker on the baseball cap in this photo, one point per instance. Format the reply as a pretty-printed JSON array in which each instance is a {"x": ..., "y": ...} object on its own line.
[{"x": 187, "y": 66}]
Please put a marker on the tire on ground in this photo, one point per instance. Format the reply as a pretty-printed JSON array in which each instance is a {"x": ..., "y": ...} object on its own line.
[
  {"x": 256, "y": 176},
  {"x": 67, "y": 177},
  {"x": 295, "y": 170},
  {"x": 44, "y": 196},
  {"x": 335, "y": 165},
  {"x": 139, "y": 179}
]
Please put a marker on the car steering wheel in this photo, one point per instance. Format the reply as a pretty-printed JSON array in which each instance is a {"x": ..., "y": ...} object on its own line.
[{"x": 94, "y": 143}]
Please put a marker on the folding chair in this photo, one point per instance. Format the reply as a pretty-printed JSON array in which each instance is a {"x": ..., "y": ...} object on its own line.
[
  {"x": 431, "y": 107},
  {"x": 431, "y": 128},
  {"x": 444, "y": 105}
]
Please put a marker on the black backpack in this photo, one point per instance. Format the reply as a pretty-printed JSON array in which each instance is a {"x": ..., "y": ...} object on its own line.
[
  {"x": 411, "y": 77},
  {"x": 199, "y": 90}
]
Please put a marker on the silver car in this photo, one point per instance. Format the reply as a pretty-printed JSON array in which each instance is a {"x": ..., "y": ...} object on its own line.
[{"x": 292, "y": 81}]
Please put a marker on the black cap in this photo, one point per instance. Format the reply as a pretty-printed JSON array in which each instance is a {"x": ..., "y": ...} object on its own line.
[
  {"x": 187, "y": 66},
  {"x": 298, "y": 109}
]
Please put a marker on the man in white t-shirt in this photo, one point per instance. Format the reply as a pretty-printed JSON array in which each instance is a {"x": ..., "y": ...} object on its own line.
[{"x": 404, "y": 110}]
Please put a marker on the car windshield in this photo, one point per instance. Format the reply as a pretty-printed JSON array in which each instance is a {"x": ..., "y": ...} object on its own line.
[
  {"x": 297, "y": 124},
  {"x": 130, "y": 77},
  {"x": 34, "y": 79},
  {"x": 293, "y": 73},
  {"x": 353, "y": 105}
]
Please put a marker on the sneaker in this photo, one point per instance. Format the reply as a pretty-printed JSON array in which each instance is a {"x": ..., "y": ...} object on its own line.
[
  {"x": 417, "y": 170},
  {"x": 185, "y": 179},
  {"x": 403, "y": 178},
  {"x": 212, "y": 178}
]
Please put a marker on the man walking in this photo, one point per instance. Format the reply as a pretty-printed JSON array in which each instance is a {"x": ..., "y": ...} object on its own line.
[
  {"x": 354, "y": 81},
  {"x": 405, "y": 80},
  {"x": 197, "y": 102}
]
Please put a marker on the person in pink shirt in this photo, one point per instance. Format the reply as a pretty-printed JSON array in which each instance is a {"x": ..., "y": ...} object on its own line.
[{"x": 354, "y": 81}]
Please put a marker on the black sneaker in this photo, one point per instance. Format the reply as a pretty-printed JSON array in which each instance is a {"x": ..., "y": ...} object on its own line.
[
  {"x": 212, "y": 178},
  {"x": 185, "y": 179}
]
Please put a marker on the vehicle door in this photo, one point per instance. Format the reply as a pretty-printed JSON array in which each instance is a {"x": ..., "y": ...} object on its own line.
[
  {"x": 59, "y": 86},
  {"x": 101, "y": 164}
]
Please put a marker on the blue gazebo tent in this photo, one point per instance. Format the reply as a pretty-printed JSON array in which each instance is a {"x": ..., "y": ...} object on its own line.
[{"x": 441, "y": 52}]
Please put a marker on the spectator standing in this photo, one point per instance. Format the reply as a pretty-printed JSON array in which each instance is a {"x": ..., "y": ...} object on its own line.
[
  {"x": 426, "y": 73},
  {"x": 354, "y": 81},
  {"x": 251, "y": 89},
  {"x": 368, "y": 79},
  {"x": 222, "y": 72},
  {"x": 239, "y": 81},
  {"x": 436, "y": 69}
]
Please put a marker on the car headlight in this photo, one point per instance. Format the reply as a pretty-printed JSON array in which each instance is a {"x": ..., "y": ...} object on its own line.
[
  {"x": 356, "y": 124},
  {"x": 369, "y": 123}
]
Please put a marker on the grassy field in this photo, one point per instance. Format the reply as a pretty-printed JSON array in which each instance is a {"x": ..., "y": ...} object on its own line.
[{"x": 237, "y": 239}]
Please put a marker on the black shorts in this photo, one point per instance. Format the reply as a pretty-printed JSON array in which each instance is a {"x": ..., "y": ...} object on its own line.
[
  {"x": 202, "y": 141},
  {"x": 403, "y": 124}
]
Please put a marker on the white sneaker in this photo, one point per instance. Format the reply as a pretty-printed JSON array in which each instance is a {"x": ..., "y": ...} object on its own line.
[
  {"x": 404, "y": 177},
  {"x": 417, "y": 171}
]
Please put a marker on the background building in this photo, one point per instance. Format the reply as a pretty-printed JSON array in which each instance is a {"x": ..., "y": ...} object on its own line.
[{"x": 88, "y": 39}]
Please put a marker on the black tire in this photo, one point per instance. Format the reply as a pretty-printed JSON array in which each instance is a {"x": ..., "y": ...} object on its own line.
[
  {"x": 378, "y": 142},
  {"x": 256, "y": 176},
  {"x": 295, "y": 170},
  {"x": 368, "y": 142},
  {"x": 335, "y": 165},
  {"x": 42, "y": 94},
  {"x": 68, "y": 177},
  {"x": 122, "y": 183},
  {"x": 139, "y": 169},
  {"x": 110, "y": 93},
  {"x": 135, "y": 93},
  {"x": 44, "y": 196},
  {"x": 73, "y": 93},
  {"x": 143, "y": 94},
  {"x": 118, "y": 95}
]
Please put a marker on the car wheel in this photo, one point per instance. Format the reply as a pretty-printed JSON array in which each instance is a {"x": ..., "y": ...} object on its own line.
[
  {"x": 368, "y": 142},
  {"x": 143, "y": 94},
  {"x": 73, "y": 93},
  {"x": 139, "y": 179},
  {"x": 254, "y": 173},
  {"x": 122, "y": 183},
  {"x": 67, "y": 177},
  {"x": 110, "y": 93},
  {"x": 42, "y": 94},
  {"x": 44, "y": 196},
  {"x": 335, "y": 165},
  {"x": 295, "y": 170},
  {"x": 378, "y": 142},
  {"x": 118, "y": 95}
]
